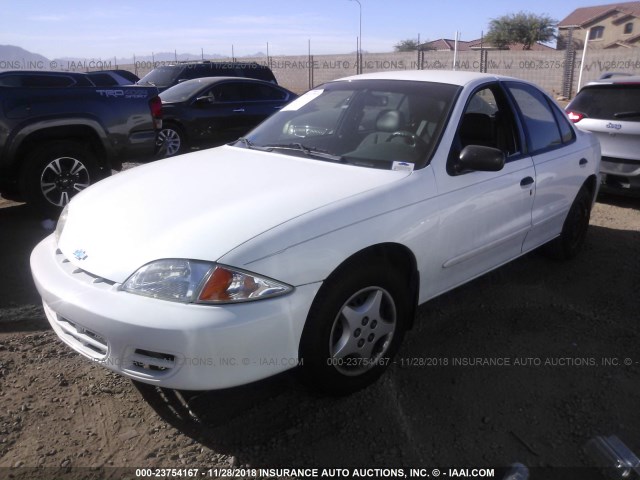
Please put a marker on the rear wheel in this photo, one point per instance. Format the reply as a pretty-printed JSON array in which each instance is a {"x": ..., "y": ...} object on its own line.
[
  {"x": 55, "y": 173},
  {"x": 574, "y": 229},
  {"x": 354, "y": 328}
]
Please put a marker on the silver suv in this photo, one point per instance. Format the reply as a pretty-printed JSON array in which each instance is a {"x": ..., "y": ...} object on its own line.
[{"x": 610, "y": 108}]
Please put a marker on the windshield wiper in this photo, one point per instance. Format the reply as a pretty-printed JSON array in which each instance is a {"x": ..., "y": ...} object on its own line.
[
  {"x": 626, "y": 114},
  {"x": 249, "y": 144},
  {"x": 311, "y": 152}
]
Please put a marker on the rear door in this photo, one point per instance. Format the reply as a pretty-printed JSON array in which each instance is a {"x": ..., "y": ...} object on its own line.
[
  {"x": 261, "y": 101},
  {"x": 558, "y": 158}
]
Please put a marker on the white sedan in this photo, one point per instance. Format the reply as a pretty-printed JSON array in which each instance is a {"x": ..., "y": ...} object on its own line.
[{"x": 311, "y": 241}]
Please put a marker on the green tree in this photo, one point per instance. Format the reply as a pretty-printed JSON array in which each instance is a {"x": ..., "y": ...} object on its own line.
[
  {"x": 408, "y": 45},
  {"x": 523, "y": 27}
]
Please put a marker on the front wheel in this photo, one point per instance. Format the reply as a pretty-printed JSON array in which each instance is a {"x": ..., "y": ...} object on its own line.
[{"x": 354, "y": 328}]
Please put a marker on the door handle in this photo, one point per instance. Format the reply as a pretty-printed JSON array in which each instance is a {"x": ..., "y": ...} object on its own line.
[
  {"x": 526, "y": 181},
  {"x": 277, "y": 108},
  {"x": 583, "y": 162},
  {"x": 238, "y": 110}
]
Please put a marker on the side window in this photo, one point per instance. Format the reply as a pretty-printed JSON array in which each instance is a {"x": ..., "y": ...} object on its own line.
[
  {"x": 228, "y": 92},
  {"x": 257, "y": 92},
  {"x": 11, "y": 81},
  {"x": 566, "y": 131},
  {"x": 196, "y": 71},
  {"x": 48, "y": 81},
  {"x": 488, "y": 121},
  {"x": 539, "y": 120}
]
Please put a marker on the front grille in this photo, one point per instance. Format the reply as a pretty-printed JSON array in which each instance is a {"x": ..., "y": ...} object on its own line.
[
  {"x": 152, "y": 363},
  {"x": 81, "y": 274},
  {"x": 90, "y": 342}
]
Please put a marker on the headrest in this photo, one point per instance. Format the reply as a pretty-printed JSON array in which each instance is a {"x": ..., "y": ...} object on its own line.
[{"x": 389, "y": 121}]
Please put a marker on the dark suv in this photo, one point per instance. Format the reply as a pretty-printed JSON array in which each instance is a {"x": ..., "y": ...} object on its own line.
[
  {"x": 169, "y": 75},
  {"x": 610, "y": 109}
]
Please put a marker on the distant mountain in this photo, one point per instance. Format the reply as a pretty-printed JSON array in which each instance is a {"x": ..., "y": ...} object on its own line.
[
  {"x": 112, "y": 62},
  {"x": 16, "y": 58}
]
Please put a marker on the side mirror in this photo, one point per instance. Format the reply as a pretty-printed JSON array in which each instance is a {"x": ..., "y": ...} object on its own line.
[{"x": 480, "y": 158}]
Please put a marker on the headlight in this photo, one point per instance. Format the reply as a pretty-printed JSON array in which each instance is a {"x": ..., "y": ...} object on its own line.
[
  {"x": 193, "y": 281},
  {"x": 61, "y": 221}
]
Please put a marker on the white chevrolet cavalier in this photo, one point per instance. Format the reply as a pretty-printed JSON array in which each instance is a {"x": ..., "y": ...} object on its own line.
[{"x": 316, "y": 236}]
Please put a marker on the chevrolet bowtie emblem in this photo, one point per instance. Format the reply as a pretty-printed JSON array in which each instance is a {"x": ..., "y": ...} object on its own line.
[{"x": 80, "y": 254}]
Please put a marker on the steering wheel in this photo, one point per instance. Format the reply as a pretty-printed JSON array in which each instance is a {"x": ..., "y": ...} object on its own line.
[{"x": 414, "y": 139}]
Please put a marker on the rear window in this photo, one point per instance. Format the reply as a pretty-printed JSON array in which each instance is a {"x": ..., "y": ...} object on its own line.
[
  {"x": 609, "y": 102},
  {"x": 102, "y": 80}
]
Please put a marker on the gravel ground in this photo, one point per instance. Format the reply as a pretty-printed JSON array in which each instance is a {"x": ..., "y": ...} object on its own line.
[{"x": 564, "y": 331}]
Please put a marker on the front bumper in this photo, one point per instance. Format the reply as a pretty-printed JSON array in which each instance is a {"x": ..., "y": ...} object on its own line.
[{"x": 169, "y": 344}]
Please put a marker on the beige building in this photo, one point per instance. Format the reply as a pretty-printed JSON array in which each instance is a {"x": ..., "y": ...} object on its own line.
[{"x": 615, "y": 25}]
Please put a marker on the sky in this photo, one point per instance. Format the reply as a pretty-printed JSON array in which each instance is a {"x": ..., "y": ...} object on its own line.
[{"x": 118, "y": 28}]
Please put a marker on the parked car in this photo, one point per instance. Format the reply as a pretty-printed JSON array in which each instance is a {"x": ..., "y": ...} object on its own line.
[
  {"x": 112, "y": 78},
  {"x": 167, "y": 76},
  {"x": 59, "y": 133},
  {"x": 215, "y": 110},
  {"x": 315, "y": 237},
  {"x": 610, "y": 109}
]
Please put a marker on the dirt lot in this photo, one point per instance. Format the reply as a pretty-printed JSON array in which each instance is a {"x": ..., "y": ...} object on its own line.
[{"x": 567, "y": 331}]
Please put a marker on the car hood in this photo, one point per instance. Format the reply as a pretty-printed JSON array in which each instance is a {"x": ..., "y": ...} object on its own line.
[{"x": 200, "y": 206}]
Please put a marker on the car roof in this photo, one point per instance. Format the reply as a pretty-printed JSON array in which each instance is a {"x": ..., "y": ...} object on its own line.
[
  {"x": 214, "y": 64},
  {"x": 42, "y": 72},
  {"x": 212, "y": 80},
  {"x": 621, "y": 79},
  {"x": 439, "y": 76}
]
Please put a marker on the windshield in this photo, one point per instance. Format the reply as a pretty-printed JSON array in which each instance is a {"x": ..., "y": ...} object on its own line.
[
  {"x": 385, "y": 124},
  {"x": 161, "y": 76},
  {"x": 182, "y": 91}
]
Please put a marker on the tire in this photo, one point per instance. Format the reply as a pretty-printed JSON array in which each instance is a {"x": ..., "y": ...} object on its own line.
[
  {"x": 56, "y": 172},
  {"x": 171, "y": 141},
  {"x": 354, "y": 327},
  {"x": 574, "y": 229}
]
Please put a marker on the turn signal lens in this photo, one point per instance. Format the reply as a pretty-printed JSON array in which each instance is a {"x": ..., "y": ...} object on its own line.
[{"x": 226, "y": 285}]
